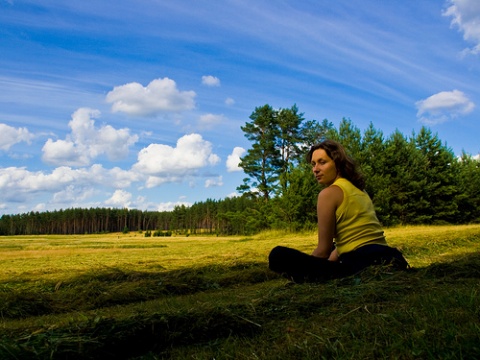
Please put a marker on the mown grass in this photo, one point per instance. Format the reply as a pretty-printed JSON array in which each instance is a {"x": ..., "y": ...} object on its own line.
[{"x": 129, "y": 297}]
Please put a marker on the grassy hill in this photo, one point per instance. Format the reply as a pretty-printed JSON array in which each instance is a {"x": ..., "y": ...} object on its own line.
[{"x": 123, "y": 296}]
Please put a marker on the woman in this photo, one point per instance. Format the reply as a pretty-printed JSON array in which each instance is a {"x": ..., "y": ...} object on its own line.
[{"x": 345, "y": 215}]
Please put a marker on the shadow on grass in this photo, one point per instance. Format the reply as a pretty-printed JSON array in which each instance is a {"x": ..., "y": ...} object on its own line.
[
  {"x": 167, "y": 329},
  {"x": 114, "y": 286},
  {"x": 467, "y": 266},
  {"x": 111, "y": 339}
]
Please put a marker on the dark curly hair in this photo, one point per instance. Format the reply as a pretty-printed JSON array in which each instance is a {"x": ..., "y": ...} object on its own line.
[{"x": 343, "y": 162}]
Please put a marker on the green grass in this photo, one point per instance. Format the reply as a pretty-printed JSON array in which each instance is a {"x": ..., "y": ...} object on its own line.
[{"x": 129, "y": 297}]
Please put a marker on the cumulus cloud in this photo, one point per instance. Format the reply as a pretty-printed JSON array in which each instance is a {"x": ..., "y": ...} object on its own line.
[
  {"x": 10, "y": 136},
  {"x": 229, "y": 101},
  {"x": 210, "y": 80},
  {"x": 163, "y": 163},
  {"x": 466, "y": 17},
  {"x": 443, "y": 106},
  {"x": 66, "y": 185},
  {"x": 22, "y": 180},
  {"x": 86, "y": 142},
  {"x": 15, "y": 181},
  {"x": 120, "y": 199},
  {"x": 160, "y": 96},
  {"x": 233, "y": 160}
]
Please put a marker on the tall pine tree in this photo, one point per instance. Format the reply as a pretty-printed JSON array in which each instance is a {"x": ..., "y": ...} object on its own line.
[{"x": 263, "y": 160}]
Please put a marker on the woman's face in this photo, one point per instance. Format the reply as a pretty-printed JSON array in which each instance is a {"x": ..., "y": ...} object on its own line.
[{"x": 324, "y": 167}]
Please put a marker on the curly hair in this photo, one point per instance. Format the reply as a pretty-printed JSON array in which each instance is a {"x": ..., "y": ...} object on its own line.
[{"x": 344, "y": 163}]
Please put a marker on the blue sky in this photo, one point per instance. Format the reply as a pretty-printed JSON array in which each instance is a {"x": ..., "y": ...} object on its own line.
[{"x": 139, "y": 104}]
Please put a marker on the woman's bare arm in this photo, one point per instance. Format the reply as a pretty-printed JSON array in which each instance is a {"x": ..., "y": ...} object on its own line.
[{"x": 328, "y": 201}]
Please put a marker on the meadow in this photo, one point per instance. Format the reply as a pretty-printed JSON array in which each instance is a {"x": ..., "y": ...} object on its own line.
[{"x": 126, "y": 296}]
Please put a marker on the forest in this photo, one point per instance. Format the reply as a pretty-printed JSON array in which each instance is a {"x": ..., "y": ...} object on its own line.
[{"x": 414, "y": 179}]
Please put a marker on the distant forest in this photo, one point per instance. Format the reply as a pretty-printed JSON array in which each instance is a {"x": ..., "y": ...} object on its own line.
[{"x": 413, "y": 179}]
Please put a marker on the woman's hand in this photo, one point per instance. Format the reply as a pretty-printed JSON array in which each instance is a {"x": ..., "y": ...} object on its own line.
[
  {"x": 333, "y": 255},
  {"x": 320, "y": 254}
]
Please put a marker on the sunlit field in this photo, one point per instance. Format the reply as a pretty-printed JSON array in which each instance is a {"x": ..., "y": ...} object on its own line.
[{"x": 203, "y": 297}]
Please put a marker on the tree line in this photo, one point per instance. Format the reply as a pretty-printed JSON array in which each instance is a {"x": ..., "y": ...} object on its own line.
[
  {"x": 413, "y": 179},
  {"x": 211, "y": 217}
]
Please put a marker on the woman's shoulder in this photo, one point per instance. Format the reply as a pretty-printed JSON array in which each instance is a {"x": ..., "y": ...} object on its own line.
[{"x": 332, "y": 193}]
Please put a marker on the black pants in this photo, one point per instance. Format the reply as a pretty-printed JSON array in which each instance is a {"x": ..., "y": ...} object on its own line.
[{"x": 301, "y": 267}]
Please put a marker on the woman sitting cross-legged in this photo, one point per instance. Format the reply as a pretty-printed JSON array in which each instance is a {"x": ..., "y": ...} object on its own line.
[{"x": 350, "y": 237}]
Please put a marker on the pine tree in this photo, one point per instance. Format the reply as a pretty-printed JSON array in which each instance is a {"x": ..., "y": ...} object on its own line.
[
  {"x": 263, "y": 161},
  {"x": 468, "y": 186},
  {"x": 439, "y": 189}
]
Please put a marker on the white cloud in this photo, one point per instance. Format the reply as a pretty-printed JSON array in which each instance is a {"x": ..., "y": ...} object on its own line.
[
  {"x": 63, "y": 152},
  {"x": 64, "y": 187},
  {"x": 120, "y": 199},
  {"x": 210, "y": 80},
  {"x": 214, "y": 182},
  {"x": 163, "y": 163},
  {"x": 13, "y": 179},
  {"x": 466, "y": 16},
  {"x": 64, "y": 182},
  {"x": 443, "y": 106},
  {"x": 72, "y": 194},
  {"x": 160, "y": 96},
  {"x": 86, "y": 142},
  {"x": 229, "y": 101},
  {"x": 233, "y": 160},
  {"x": 10, "y": 136}
]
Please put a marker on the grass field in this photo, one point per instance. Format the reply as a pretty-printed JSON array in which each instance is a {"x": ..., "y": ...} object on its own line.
[{"x": 124, "y": 296}]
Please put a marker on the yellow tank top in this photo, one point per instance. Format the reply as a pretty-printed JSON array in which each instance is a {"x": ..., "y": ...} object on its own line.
[{"x": 356, "y": 222}]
